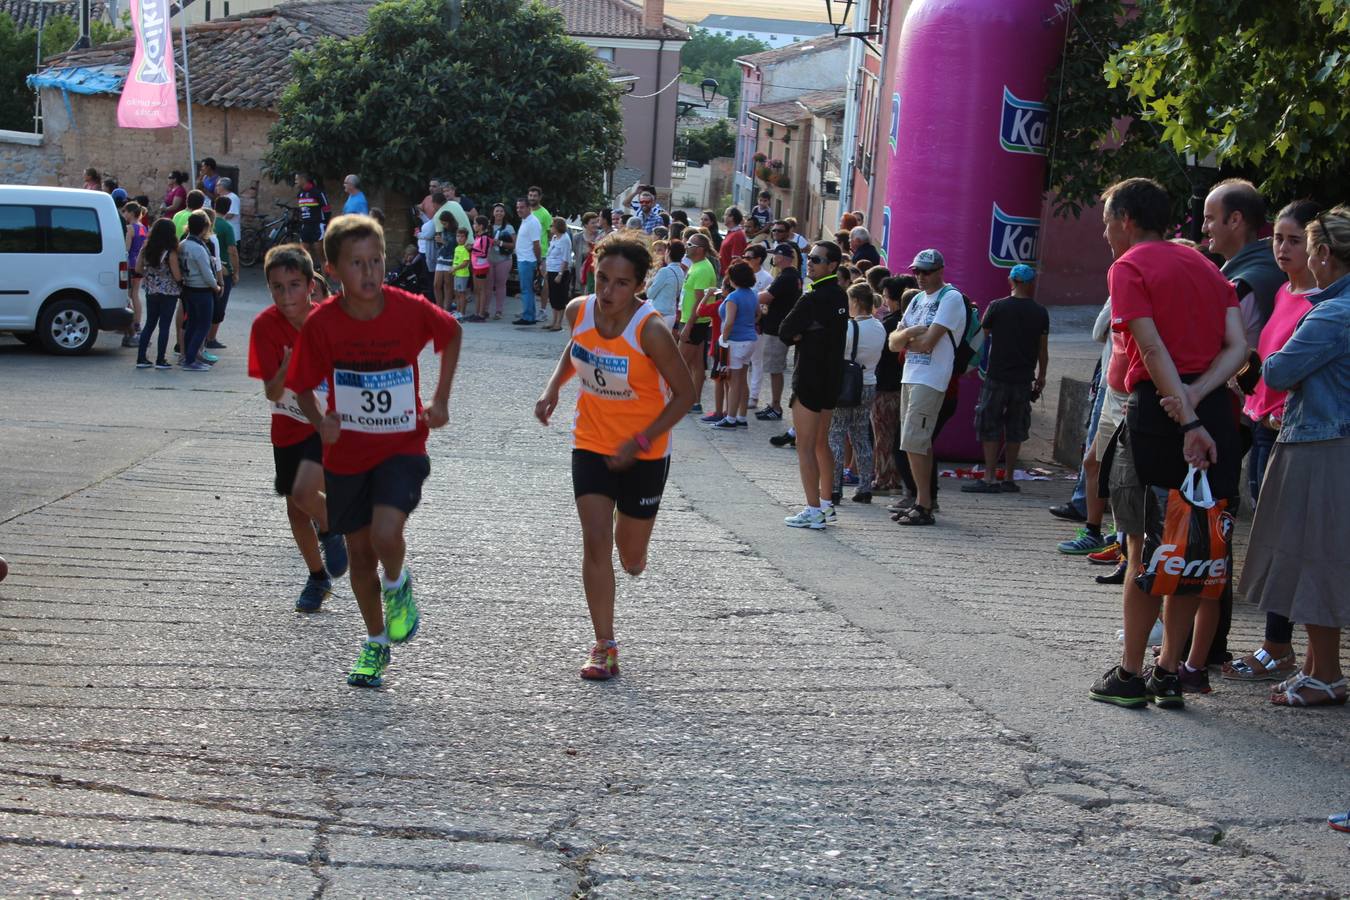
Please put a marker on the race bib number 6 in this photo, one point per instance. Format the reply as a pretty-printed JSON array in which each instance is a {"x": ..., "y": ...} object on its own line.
[
  {"x": 601, "y": 374},
  {"x": 376, "y": 402}
]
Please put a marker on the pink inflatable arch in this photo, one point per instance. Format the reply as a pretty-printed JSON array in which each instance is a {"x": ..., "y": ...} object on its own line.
[{"x": 968, "y": 143}]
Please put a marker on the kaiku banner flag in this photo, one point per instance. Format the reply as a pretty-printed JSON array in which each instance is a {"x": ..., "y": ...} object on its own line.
[{"x": 150, "y": 97}]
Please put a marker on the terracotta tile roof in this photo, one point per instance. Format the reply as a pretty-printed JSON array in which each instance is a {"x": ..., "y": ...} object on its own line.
[
  {"x": 612, "y": 18},
  {"x": 25, "y": 13},
  {"x": 244, "y": 61},
  {"x": 788, "y": 112},
  {"x": 792, "y": 51}
]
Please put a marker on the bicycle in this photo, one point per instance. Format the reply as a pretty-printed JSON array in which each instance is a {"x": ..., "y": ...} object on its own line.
[{"x": 256, "y": 240}]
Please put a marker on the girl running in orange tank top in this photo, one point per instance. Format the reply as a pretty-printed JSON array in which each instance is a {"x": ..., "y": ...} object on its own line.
[{"x": 634, "y": 388}]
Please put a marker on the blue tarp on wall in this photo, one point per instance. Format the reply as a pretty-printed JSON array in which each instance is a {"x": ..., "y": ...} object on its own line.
[{"x": 81, "y": 79}]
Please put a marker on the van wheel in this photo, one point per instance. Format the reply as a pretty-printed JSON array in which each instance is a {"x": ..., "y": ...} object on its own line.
[{"x": 67, "y": 327}]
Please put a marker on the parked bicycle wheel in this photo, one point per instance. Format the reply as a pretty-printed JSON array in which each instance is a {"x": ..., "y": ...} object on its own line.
[{"x": 250, "y": 247}]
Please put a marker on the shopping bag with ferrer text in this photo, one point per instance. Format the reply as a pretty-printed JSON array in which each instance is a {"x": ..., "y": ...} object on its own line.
[{"x": 1195, "y": 552}]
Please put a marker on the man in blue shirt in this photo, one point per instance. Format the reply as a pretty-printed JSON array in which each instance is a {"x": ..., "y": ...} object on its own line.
[{"x": 356, "y": 198}]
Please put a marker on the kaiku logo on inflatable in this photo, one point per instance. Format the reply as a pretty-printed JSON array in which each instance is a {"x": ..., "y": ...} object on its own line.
[
  {"x": 885, "y": 232},
  {"x": 1013, "y": 239},
  {"x": 153, "y": 25},
  {"x": 1024, "y": 125}
]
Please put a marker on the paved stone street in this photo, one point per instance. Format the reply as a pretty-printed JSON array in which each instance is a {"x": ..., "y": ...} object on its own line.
[{"x": 865, "y": 712}]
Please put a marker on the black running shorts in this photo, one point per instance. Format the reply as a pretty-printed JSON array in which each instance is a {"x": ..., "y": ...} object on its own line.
[
  {"x": 697, "y": 333},
  {"x": 396, "y": 482},
  {"x": 288, "y": 461},
  {"x": 636, "y": 491}
]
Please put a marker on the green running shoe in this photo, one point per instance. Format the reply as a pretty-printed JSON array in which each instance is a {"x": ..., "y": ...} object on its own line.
[
  {"x": 370, "y": 665},
  {"x": 400, "y": 612}
]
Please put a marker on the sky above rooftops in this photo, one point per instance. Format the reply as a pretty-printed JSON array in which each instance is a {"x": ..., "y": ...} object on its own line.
[{"x": 695, "y": 10}]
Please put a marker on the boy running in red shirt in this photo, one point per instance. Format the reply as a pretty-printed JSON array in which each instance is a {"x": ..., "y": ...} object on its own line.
[
  {"x": 364, "y": 344},
  {"x": 296, "y": 449}
]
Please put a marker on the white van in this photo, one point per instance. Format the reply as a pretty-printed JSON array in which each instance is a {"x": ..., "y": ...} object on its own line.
[{"x": 63, "y": 267}]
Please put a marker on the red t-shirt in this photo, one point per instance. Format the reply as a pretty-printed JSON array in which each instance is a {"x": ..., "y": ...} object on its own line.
[
  {"x": 1182, "y": 292},
  {"x": 372, "y": 374},
  {"x": 733, "y": 245},
  {"x": 267, "y": 342}
]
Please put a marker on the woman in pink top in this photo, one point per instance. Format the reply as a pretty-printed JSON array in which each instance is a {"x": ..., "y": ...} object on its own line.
[{"x": 1275, "y": 659}]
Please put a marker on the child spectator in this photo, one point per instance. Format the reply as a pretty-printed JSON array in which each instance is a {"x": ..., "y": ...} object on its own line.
[
  {"x": 461, "y": 270},
  {"x": 136, "y": 235},
  {"x": 445, "y": 261},
  {"x": 1018, "y": 330}
]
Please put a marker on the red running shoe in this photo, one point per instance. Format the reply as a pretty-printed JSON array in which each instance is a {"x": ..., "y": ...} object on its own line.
[
  {"x": 603, "y": 663},
  {"x": 1109, "y": 555}
]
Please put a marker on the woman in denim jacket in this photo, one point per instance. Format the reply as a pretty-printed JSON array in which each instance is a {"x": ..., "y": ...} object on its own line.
[{"x": 1297, "y": 565}]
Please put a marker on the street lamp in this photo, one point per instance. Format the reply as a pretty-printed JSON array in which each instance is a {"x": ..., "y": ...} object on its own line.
[
  {"x": 839, "y": 13},
  {"x": 707, "y": 89}
]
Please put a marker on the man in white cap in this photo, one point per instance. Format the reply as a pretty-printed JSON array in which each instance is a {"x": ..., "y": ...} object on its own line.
[
  {"x": 928, "y": 333},
  {"x": 1018, "y": 331}
]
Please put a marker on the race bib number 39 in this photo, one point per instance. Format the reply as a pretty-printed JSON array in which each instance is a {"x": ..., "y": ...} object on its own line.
[
  {"x": 376, "y": 402},
  {"x": 601, "y": 374}
]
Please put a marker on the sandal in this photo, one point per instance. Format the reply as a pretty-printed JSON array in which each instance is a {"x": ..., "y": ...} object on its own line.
[
  {"x": 1261, "y": 666},
  {"x": 1292, "y": 697},
  {"x": 1339, "y": 821},
  {"x": 916, "y": 515}
]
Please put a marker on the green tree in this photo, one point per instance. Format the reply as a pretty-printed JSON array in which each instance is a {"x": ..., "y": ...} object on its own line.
[
  {"x": 1250, "y": 88},
  {"x": 18, "y": 60},
  {"x": 707, "y": 142},
  {"x": 504, "y": 101},
  {"x": 711, "y": 55}
]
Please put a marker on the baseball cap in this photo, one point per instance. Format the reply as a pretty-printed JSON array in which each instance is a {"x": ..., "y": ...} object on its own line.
[
  {"x": 785, "y": 250},
  {"x": 1022, "y": 273},
  {"x": 928, "y": 260},
  {"x": 119, "y": 194}
]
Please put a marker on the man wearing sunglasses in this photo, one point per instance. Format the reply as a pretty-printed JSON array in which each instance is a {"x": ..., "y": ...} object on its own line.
[
  {"x": 926, "y": 337},
  {"x": 817, "y": 326}
]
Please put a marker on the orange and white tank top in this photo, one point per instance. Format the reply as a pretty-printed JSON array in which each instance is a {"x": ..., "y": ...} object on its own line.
[{"x": 621, "y": 390}]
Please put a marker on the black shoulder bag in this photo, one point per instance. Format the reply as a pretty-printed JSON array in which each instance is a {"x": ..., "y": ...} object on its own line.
[{"x": 851, "y": 390}]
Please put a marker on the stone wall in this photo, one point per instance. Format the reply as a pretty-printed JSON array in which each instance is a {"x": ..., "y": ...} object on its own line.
[
  {"x": 27, "y": 159},
  {"x": 85, "y": 133}
]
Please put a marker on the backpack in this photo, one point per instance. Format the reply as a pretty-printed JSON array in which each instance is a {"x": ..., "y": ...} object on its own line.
[
  {"x": 478, "y": 258},
  {"x": 971, "y": 339}
]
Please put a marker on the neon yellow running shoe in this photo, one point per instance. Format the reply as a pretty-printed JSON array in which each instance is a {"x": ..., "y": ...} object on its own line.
[
  {"x": 401, "y": 618},
  {"x": 370, "y": 665}
]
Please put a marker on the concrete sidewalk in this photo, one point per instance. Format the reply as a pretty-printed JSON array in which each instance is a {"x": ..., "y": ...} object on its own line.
[{"x": 865, "y": 712}]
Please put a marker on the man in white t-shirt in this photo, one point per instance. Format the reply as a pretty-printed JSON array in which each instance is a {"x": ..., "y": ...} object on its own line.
[
  {"x": 928, "y": 332},
  {"x": 225, "y": 188},
  {"x": 528, "y": 236}
]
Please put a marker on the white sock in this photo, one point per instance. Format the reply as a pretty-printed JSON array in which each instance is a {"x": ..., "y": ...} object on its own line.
[
  {"x": 740, "y": 420},
  {"x": 826, "y": 504},
  {"x": 381, "y": 638},
  {"x": 792, "y": 431},
  {"x": 397, "y": 582},
  {"x": 813, "y": 509}
]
